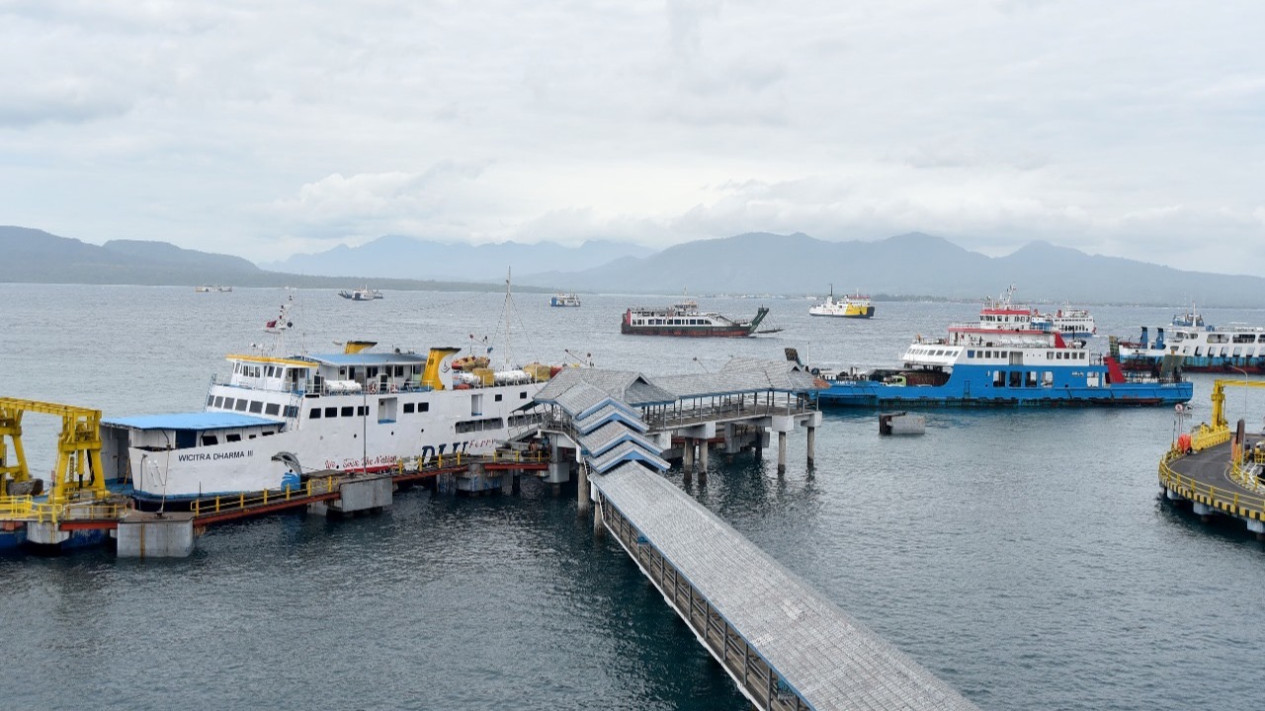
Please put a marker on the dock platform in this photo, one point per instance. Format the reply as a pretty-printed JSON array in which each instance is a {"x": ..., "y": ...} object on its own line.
[{"x": 1206, "y": 479}]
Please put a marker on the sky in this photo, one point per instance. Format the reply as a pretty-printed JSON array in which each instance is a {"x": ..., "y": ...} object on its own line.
[{"x": 1126, "y": 128}]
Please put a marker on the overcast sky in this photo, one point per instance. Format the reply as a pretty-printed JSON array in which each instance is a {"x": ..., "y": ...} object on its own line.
[{"x": 1127, "y": 128}]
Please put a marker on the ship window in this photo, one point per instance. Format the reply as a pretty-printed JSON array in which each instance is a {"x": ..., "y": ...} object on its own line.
[
  {"x": 219, "y": 401},
  {"x": 497, "y": 398},
  {"x": 1032, "y": 379},
  {"x": 291, "y": 411},
  {"x": 241, "y": 405},
  {"x": 362, "y": 410},
  {"x": 408, "y": 408},
  {"x": 1047, "y": 378},
  {"x": 522, "y": 395},
  {"x": 423, "y": 407},
  {"x": 314, "y": 413},
  {"x": 210, "y": 400},
  {"x": 331, "y": 412},
  {"x": 999, "y": 378},
  {"x": 209, "y": 440},
  {"x": 256, "y": 406},
  {"x": 371, "y": 372},
  {"x": 228, "y": 403},
  {"x": 272, "y": 408},
  {"x": 347, "y": 411},
  {"x": 1016, "y": 378},
  {"x": 970, "y": 353},
  {"x": 232, "y": 438},
  {"x": 399, "y": 370}
]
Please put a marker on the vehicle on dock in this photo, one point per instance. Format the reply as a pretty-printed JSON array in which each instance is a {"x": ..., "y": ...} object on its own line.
[
  {"x": 1004, "y": 359},
  {"x": 850, "y": 306},
  {"x": 1200, "y": 347},
  {"x": 684, "y": 319},
  {"x": 354, "y": 411}
]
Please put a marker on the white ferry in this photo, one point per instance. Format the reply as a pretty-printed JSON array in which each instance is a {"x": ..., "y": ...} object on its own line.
[
  {"x": 850, "y": 306},
  {"x": 1071, "y": 322},
  {"x": 351, "y": 411},
  {"x": 1201, "y": 347}
]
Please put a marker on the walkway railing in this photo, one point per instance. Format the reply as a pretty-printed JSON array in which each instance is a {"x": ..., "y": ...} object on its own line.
[{"x": 1220, "y": 497}]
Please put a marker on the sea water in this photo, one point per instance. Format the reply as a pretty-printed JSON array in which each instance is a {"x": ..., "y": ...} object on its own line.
[{"x": 1025, "y": 557}]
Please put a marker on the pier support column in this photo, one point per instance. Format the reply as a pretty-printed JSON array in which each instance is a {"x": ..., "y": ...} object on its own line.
[
  {"x": 687, "y": 454},
  {"x": 703, "y": 446},
  {"x": 582, "y": 489},
  {"x": 812, "y": 445},
  {"x": 781, "y": 452},
  {"x": 599, "y": 521}
]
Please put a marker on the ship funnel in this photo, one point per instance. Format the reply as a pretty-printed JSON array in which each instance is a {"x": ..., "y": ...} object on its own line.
[
  {"x": 438, "y": 372},
  {"x": 356, "y": 346}
]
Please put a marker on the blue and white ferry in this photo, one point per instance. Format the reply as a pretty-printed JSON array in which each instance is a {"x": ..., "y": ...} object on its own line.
[{"x": 1004, "y": 359}]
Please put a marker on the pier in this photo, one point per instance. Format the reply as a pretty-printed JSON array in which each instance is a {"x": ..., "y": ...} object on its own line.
[{"x": 783, "y": 644}]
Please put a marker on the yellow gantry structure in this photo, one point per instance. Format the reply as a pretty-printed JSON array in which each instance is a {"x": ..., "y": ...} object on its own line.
[{"x": 78, "y": 448}]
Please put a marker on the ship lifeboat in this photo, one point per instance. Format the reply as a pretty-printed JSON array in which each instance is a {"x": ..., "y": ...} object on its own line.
[{"x": 469, "y": 363}]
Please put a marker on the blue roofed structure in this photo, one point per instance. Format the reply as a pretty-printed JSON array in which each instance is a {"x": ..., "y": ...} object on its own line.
[{"x": 191, "y": 421}]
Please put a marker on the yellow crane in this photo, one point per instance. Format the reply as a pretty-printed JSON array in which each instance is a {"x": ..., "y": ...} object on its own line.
[{"x": 78, "y": 448}]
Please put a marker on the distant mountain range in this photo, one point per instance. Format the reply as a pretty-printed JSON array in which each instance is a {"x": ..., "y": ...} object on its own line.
[
  {"x": 35, "y": 256},
  {"x": 913, "y": 264},
  {"x": 408, "y": 258},
  {"x": 906, "y": 266}
]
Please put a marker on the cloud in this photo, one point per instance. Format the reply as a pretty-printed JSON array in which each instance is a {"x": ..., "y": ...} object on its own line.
[{"x": 1122, "y": 129}]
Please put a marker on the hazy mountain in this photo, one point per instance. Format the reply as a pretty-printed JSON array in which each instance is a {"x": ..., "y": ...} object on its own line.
[
  {"x": 406, "y": 257},
  {"x": 907, "y": 265},
  {"x": 35, "y": 256},
  {"x": 910, "y": 265}
]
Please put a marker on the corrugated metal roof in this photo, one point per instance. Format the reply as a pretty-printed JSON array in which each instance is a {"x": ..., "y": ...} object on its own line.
[
  {"x": 612, "y": 433},
  {"x": 609, "y": 413},
  {"x": 627, "y": 452},
  {"x": 741, "y": 375},
  {"x": 627, "y": 386},
  {"x": 190, "y": 421},
  {"x": 833, "y": 661}
]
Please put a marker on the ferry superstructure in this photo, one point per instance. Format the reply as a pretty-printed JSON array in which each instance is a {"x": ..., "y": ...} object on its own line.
[
  {"x": 1003, "y": 359},
  {"x": 562, "y": 299},
  {"x": 274, "y": 419},
  {"x": 1199, "y": 346}
]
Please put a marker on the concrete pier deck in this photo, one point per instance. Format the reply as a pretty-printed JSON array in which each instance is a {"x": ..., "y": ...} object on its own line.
[{"x": 1204, "y": 479}]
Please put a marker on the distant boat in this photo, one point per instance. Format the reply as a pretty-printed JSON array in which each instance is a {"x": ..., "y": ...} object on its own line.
[
  {"x": 567, "y": 299},
  {"x": 361, "y": 294},
  {"x": 208, "y": 289},
  {"x": 684, "y": 319},
  {"x": 850, "y": 306},
  {"x": 1073, "y": 323}
]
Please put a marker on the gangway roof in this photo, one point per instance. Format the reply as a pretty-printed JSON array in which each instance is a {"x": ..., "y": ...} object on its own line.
[
  {"x": 832, "y": 661},
  {"x": 742, "y": 375}
]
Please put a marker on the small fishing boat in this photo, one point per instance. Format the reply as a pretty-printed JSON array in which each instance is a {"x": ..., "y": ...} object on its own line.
[{"x": 362, "y": 294}]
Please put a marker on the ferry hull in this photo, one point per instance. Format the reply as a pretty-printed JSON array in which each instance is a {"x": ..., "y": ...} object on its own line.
[
  {"x": 973, "y": 390},
  {"x": 1191, "y": 364},
  {"x": 701, "y": 332}
]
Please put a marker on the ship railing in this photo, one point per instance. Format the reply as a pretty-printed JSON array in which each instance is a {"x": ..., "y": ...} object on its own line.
[
  {"x": 235, "y": 502},
  {"x": 26, "y": 508},
  {"x": 260, "y": 384}
]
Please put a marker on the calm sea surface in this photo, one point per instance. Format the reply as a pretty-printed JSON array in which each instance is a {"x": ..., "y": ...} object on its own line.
[{"x": 1024, "y": 557}]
